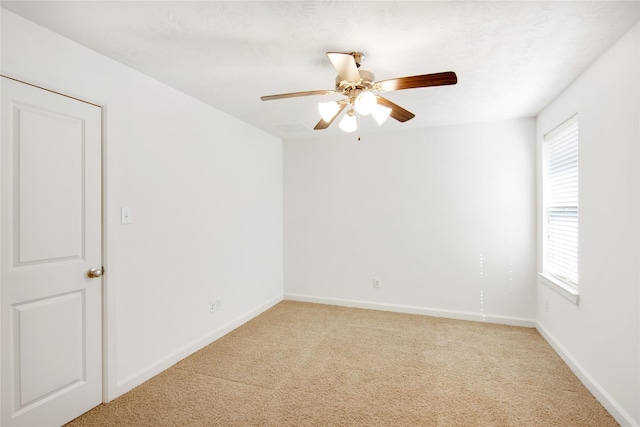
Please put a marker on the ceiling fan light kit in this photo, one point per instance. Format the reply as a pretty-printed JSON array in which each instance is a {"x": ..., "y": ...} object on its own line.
[
  {"x": 328, "y": 110},
  {"x": 380, "y": 113},
  {"x": 349, "y": 123},
  {"x": 365, "y": 102},
  {"x": 360, "y": 89}
]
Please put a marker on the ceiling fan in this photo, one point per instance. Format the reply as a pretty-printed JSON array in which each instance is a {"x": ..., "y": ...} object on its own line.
[{"x": 361, "y": 91}]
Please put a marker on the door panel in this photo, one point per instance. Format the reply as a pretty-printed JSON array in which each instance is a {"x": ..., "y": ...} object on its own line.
[
  {"x": 49, "y": 333},
  {"x": 51, "y": 311},
  {"x": 47, "y": 229}
]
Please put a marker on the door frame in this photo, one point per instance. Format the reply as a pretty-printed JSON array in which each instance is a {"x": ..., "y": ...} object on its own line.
[{"x": 108, "y": 294}]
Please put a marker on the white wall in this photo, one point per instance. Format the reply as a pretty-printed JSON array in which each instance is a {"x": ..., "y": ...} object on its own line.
[
  {"x": 444, "y": 216},
  {"x": 600, "y": 337},
  {"x": 206, "y": 194}
]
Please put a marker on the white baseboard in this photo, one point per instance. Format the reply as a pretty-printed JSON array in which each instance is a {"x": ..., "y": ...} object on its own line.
[
  {"x": 460, "y": 315},
  {"x": 621, "y": 416},
  {"x": 154, "y": 369}
]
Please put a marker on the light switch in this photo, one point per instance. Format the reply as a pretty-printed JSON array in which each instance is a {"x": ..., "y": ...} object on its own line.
[{"x": 125, "y": 215}]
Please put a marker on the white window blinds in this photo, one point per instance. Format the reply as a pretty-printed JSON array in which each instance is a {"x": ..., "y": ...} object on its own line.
[{"x": 560, "y": 194}]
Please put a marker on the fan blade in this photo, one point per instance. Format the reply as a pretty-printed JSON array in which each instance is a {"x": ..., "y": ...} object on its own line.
[
  {"x": 295, "y": 94},
  {"x": 397, "y": 112},
  {"x": 424, "y": 80},
  {"x": 323, "y": 125},
  {"x": 346, "y": 66}
]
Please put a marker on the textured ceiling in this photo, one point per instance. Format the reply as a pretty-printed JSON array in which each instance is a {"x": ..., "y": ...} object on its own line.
[{"x": 512, "y": 58}]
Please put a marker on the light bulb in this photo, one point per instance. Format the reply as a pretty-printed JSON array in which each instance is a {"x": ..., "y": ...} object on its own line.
[
  {"x": 365, "y": 102},
  {"x": 348, "y": 122},
  {"x": 328, "y": 110},
  {"x": 380, "y": 113}
]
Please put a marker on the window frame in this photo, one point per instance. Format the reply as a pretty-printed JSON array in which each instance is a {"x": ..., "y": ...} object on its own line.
[{"x": 563, "y": 285}]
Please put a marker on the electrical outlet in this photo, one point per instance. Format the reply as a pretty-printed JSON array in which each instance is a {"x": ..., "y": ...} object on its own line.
[
  {"x": 546, "y": 305},
  {"x": 376, "y": 283},
  {"x": 212, "y": 306},
  {"x": 218, "y": 303}
]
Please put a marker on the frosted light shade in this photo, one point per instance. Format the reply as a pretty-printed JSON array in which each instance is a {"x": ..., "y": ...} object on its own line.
[
  {"x": 365, "y": 102},
  {"x": 348, "y": 123},
  {"x": 380, "y": 113},
  {"x": 328, "y": 110}
]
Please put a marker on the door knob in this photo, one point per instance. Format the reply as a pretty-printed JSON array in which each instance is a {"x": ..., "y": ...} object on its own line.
[{"x": 95, "y": 272}]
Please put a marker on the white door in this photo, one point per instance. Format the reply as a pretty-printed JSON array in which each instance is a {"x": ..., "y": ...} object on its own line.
[{"x": 51, "y": 231}]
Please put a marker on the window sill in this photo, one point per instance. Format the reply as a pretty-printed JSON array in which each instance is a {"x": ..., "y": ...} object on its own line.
[{"x": 565, "y": 290}]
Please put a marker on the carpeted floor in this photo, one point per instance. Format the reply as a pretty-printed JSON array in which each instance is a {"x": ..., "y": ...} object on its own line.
[{"x": 302, "y": 364}]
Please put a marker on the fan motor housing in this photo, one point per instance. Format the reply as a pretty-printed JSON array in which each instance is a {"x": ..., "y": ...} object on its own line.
[{"x": 366, "y": 83}]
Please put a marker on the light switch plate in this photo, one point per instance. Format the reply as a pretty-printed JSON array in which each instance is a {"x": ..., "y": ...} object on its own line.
[{"x": 125, "y": 215}]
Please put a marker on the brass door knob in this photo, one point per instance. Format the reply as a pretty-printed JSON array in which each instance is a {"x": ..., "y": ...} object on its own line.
[{"x": 95, "y": 272}]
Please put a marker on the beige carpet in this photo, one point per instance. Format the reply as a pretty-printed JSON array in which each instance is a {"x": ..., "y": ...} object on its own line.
[{"x": 304, "y": 364}]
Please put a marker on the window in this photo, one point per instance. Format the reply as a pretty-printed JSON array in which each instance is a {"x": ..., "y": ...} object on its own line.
[{"x": 560, "y": 206}]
